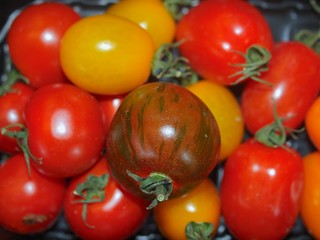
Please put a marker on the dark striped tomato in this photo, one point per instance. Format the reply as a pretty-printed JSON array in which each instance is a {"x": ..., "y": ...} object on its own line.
[{"x": 163, "y": 141}]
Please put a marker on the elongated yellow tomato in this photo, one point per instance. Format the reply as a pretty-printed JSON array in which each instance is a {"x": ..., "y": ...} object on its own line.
[
  {"x": 106, "y": 54},
  {"x": 200, "y": 205},
  {"x": 310, "y": 204},
  {"x": 226, "y": 110},
  {"x": 150, "y": 15}
]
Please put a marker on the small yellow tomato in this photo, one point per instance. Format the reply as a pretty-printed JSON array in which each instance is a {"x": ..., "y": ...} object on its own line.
[
  {"x": 106, "y": 54},
  {"x": 310, "y": 203},
  {"x": 150, "y": 15},
  {"x": 226, "y": 110},
  {"x": 202, "y": 204}
]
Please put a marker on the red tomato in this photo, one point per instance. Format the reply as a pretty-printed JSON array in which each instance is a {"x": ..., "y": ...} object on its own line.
[
  {"x": 215, "y": 31},
  {"x": 293, "y": 71},
  {"x": 261, "y": 190},
  {"x": 163, "y": 141},
  {"x": 118, "y": 216},
  {"x": 12, "y": 106},
  {"x": 29, "y": 204},
  {"x": 109, "y": 106},
  {"x": 34, "y": 41},
  {"x": 65, "y": 129}
]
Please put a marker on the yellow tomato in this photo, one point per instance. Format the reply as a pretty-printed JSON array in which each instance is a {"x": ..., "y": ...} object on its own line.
[
  {"x": 310, "y": 204},
  {"x": 200, "y": 205},
  {"x": 106, "y": 54},
  {"x": 312, "y": 123},
  {"x": 150, "y": 15},
  {"x": 226, "y": 109}
]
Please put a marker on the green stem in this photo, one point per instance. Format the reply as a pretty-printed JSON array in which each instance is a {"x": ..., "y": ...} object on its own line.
[
  {"x": 309, "y": 38},
  {"x": 199, "y": 231},
  {"x": 157, "y": 184},
  {"x": 315, "y": 5},
  {"x": 11, "y": 78},
  {"x": 178, "y": 8}
]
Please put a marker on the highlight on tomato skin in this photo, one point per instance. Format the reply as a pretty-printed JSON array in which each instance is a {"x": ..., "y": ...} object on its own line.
[{"x": 162, "y": 132}]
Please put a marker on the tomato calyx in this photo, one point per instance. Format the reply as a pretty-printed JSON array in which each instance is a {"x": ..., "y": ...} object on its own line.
[
  {"x": 20, "y": 133},
  {"x": 157, "y": 184},
  {"x": 309, "y": 38},
  {"x": 91, "y": 191},
  {"x": 178, "y": 8},
  {"x": 257, "y": 59},
  {"x": 9, "y": 80},
  {"x": 315, "y": 5},
  {"x": 199, "y": 230},
  {"x": 168, "y": 64}
]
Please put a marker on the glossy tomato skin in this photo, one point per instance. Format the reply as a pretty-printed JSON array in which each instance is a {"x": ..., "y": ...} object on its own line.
[
  {"x": 118, "y": 216},
  {"x": 312, "y": 123},
  {"x": 202, "y": 204},
  {"x": 310, "y": 208},
  {"x": 106, "y": 54},
  {"x": 294, "y": 73},
  {"x": 164, "y": 128},
  {"x": 65, "y": 129},
  {"x": 261, "y": 191},
  {"x": 215, "y": 31},
  {"x": 12, "y": 106},
  {"x": 225, "y": 107},
  {"x": 150, "y": 15},
  {"x": 31, "y": 204},
  {"x": 34, "y": 41}
]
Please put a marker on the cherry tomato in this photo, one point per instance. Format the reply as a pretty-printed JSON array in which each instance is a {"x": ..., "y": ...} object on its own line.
[
  {"x": 150, "y": 15},
  {"x": 292, "y": 72},
  {"x": 109, "y": 106},
  {"x": 106, "y": 54},
  {"x": 163, "y": 141},
  {"x": 226, "y": 109},
  {"x": 29, "y": 204},
  {"x": 199, "y": 205},
  {"x": 261, "y": 191},
  {"x": 65, "y": 129},
  {"x": 118, "y": 215},
  {"x": 34, "y": 41},
  {"x": 312, "y": 123},
  {"x": 310, "y": 208},
  {"x": 215, "y": 31},
  {"x": 12, "y": 105}
]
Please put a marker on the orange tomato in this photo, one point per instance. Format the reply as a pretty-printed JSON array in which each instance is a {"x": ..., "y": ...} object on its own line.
[
  {"x": 200, "y": 205},
  {"x": 312, "y": 123},
  {"x": 226, "y": 110},
  {"x": 310, "y": 203},
  {"x": 150, "y": 15},
  {"x": 106, "y": 54}
]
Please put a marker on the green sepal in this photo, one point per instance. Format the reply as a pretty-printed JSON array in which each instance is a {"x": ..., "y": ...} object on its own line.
[
  {"x": 178, "y": 8},
  {"x": 199, "y": 230}
]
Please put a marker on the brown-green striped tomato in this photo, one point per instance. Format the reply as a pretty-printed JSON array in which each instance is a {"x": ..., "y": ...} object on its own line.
[{"x": 163, "y": 141}]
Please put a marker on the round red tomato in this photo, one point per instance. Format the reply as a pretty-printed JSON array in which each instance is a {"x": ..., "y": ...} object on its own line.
[
  {"x": 34, "y": 41},
  {"x": 65, "y": 129},
  {"x": 116, "y": 214},
  {"x": 163, "y": 141},
  {"x": 12, "y": 105},
  {"x": 215, "y": 31},
  {"x": 28, "y": 204},
  {"x": 293, "y": 73},
  {"x": 261, "y": 191}
]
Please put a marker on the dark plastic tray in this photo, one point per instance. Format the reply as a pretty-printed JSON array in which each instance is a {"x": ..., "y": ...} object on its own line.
[{"x": 286, "y": 18}]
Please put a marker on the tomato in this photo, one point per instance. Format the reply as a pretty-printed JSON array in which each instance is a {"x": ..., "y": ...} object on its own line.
[
  {"x": 34, "y": 41},
  {"x": 226, "y": 109},
  {"x": 312, "y": 123},
  {"x": 65, "y": 129},
  {"x": 109, "y": 105},
  {"x": 150, "y": 15},
  {"x": 117, "y": 215},
  {"x": 12, "y": 105},
  {"x": 29, "y": 204},
  {"x": 310, "y": 208},
  {"x": 163, "y": 141},
  {"x": 292, "y": 72},
  {"x": 199, "y": 205},
  {"x": 215, "y": 31},
  {"x": 261, "y": 191},
  {"x": 106, "y": 54}
]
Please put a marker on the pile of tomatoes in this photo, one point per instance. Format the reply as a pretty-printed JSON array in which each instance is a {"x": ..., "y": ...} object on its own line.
[{"x": 188, "y": 114}]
